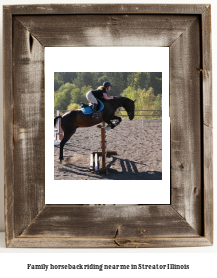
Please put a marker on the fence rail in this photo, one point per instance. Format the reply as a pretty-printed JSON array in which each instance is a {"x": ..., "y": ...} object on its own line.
[
  {"x": 152, "y": 113},
  {"x": 155, "y": 113}
]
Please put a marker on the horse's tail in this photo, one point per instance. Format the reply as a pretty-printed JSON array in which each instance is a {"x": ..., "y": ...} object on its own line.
[{"x": 55, "y": 120}]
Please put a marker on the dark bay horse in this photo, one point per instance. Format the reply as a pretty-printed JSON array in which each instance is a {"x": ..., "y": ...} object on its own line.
[{"x": 74, "y": 119}]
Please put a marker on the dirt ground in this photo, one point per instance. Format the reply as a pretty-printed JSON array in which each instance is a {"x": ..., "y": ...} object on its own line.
[{"x": 138, "y": 147}]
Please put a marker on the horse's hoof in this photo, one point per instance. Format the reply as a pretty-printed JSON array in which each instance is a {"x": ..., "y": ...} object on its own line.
[{"x": 116, "y": 123}]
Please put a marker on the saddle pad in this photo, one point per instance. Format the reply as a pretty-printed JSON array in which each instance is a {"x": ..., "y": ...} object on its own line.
[{"x": 88, "y": 109}]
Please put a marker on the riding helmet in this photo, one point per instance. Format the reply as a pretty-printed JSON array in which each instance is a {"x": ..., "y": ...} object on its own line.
[{"x": 107, "y": 83}]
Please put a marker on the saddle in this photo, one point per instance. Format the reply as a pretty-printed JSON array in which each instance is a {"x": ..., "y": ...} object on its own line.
[{"x": 87, "y": 108}]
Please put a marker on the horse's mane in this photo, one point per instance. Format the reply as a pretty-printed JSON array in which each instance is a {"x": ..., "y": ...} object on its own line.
[
  {"x": 115, "y": 99},
  {"x": 123, "y": 101}
]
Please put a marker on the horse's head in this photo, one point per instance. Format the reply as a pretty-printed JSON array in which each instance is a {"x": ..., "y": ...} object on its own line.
[{"x": 130, "y": 108}]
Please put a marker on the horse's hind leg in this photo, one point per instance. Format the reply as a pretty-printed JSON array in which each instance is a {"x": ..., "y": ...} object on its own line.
[{"x": 66, "y": 138}]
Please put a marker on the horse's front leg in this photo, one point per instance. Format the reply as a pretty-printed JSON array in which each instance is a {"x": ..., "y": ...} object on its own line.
[
  {"x": 108, "y": 119},
  {"x": 113, "y": 125},
  {"x": 118, "y": 120}
]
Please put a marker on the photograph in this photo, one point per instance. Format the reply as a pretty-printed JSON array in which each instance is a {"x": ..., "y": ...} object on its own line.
[
  {"x": 108, "y": 129},
  {"x": 107, "y": 125}
]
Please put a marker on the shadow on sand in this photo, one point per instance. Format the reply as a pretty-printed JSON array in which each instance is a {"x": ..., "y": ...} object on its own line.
[{"x": 126, "y": 170}]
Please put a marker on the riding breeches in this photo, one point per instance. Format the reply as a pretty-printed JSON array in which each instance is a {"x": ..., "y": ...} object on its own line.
[{"x": 91, "y": 98}]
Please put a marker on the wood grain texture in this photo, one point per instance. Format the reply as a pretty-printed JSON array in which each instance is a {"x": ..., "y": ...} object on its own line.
[
  {"x": 185, "y": 113},
  {"x": 208, "y": 182},
  {"x": 34, "y": 242},
  {"x": 207, "y": 67},
  {"x": 186, "y": 30},
  {"x": 109, "y": 222},
  {"x": 8, "y": 125},
  {"x": 28, "y": 87},
  {"x": 207, "y": 118},
  {"x": 106, "y": 9},
  {"x": 107, "y": 30}
]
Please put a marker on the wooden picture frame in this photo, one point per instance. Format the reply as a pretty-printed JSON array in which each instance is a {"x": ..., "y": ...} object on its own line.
[{"x": 186, "y": 30}]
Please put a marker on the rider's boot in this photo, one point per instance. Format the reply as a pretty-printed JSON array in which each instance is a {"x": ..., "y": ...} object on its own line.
[{"x": 95, "y": 114}]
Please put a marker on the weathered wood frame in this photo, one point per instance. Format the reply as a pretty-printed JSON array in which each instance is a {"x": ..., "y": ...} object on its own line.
[{"x": 188, "y": 220}]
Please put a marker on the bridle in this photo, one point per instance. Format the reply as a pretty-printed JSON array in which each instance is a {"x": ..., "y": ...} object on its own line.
[{"x": 119, "y": 105}]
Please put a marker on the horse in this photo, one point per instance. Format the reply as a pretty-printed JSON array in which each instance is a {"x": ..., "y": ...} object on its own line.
[{"x": 74, "y": 119}]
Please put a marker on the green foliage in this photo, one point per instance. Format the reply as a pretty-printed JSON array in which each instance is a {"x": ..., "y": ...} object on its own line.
[
  {"x": 71, "y": 88},
  {"x": 101, "y": 80},
  {"x": 158, "y": 102},
  {"x": 119, "y": 80},
  {"x": 61, "y": 100},
  {"x": 69, "y": 94},
  {"x": 67, "y": 87},
  {"x": 156, "y": 81},
  {"x": 141, "y": 80},
  {"x": 84, "y": 91},
  {"x": 62, "y": 97},
  {"x": 145, "y": 100},
  {"x": 73, "y": 106},
  {"x": 65, "y": 77},
  {"x": 57, "y": 84},
  {"x": 130, "y": 93},
  {"x": 79, "y": 95},
  {"x": 75, "y": 95},
  {"x": 84, "y": 79}
]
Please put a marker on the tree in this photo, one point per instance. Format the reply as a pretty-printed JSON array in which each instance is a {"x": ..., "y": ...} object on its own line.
[
  {"x": 101, "y": 80},
  {"x": 65, "y": 77},
  {"x": 73, "y": 106},
  {"x": 156, "y": 82},
  {"x": 145, "y": 99},
  {"x": 57, "y": 84},
  {"x": 158, "y": 102},
  {"x": 84, "y": 91},
  {"x": 84, "y": 79},
  {"x": 134, "y": 84},
  {"x": 62, "y": 98}
]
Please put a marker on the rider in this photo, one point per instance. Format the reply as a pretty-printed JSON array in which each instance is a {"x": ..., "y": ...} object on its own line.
[{"x": 100, "y": 92}]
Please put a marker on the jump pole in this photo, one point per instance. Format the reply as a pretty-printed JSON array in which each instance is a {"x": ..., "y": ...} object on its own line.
[
  {"x": 103, "y": 145},
  {"x": 58, "y": 132},
  {"x": 94, "y": 157}
]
